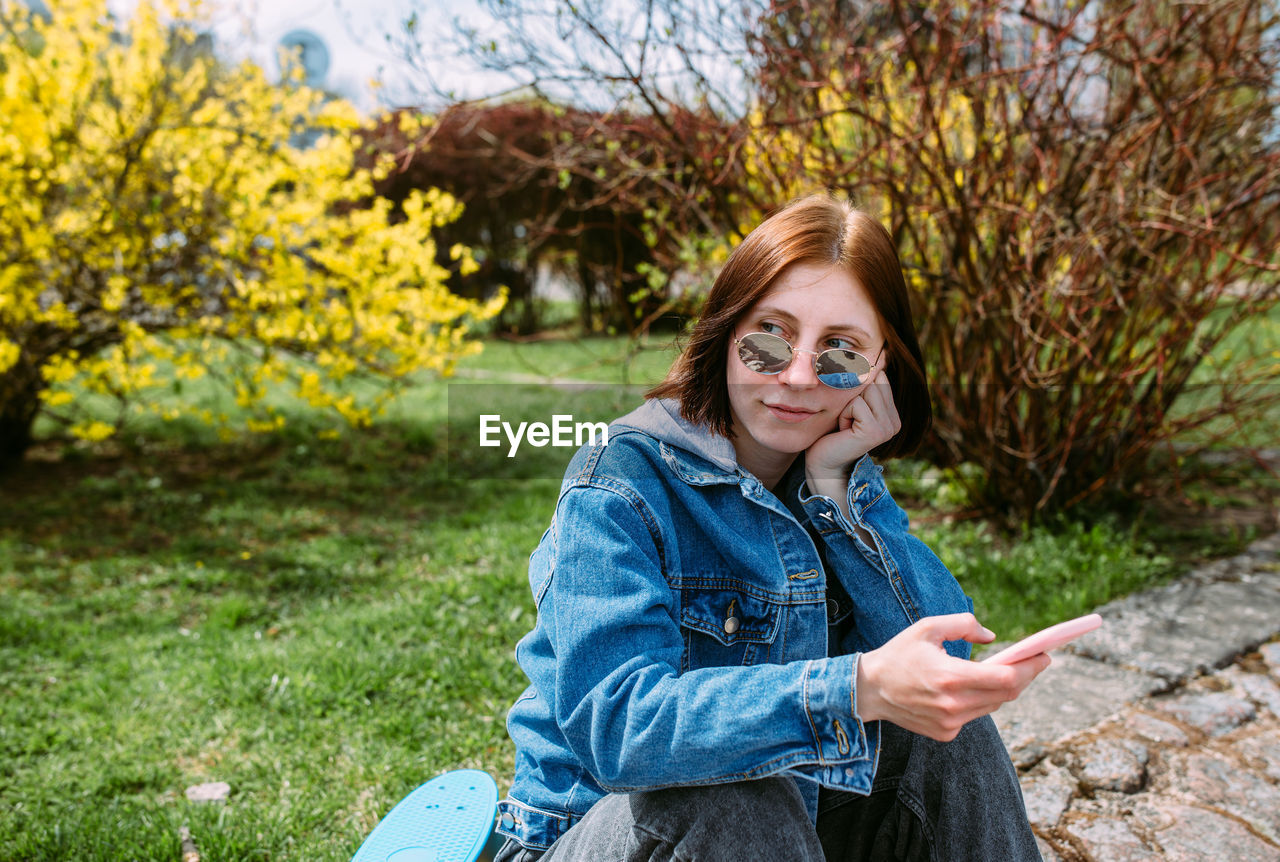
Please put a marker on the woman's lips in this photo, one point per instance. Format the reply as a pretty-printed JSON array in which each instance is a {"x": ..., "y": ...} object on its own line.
[{"x": 789, "y": 414}]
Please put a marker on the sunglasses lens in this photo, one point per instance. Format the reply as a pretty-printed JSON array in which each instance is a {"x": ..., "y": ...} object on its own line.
[
  {"x": 842, "y": 369},
  {"x": 764, "y": 353}
]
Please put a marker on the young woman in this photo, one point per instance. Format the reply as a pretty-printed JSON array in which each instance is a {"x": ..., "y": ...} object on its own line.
[{"x": 740, "y": 650}]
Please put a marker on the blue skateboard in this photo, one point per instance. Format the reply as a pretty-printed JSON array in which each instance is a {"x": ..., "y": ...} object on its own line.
[{"x": 448, "y": 819}]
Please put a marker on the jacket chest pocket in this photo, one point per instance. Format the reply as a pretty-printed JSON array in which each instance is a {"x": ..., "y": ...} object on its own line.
[{"x": 724, "y": 627}]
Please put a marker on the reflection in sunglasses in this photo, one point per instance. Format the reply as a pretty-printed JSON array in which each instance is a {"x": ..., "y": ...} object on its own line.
[{"x": 838, "y": 368}]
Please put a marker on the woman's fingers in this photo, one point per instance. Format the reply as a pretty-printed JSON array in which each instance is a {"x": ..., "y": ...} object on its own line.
[
  {"x": 953, "y": 627},
  {"x": 914, "y": 683},
  {"x": 879, "y": 397},
  {"x": 869, "y": 418},
  {"x": 872, "y": 414}
]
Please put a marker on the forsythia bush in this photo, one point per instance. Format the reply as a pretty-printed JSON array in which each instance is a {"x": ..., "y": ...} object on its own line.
[{"x": 158, "y": 225}]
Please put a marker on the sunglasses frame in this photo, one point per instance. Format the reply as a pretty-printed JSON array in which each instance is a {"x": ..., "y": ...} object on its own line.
[{"x": 871, "y": 363}]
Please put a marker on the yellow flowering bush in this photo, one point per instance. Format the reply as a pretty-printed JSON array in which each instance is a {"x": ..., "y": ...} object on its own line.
[{"x": 158, "y": 217}]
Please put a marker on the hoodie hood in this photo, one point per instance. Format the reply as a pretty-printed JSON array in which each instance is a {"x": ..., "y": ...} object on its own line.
[{"x": 660, "y": 418}]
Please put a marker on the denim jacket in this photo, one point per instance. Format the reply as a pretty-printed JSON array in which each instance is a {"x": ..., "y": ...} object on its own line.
[{"x": 695, "y": 628}]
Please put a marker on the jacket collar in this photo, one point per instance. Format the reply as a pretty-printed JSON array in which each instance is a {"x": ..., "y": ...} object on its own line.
[
  {"x": 700, "y": 457},
  {"x": 690, "y": 449}
]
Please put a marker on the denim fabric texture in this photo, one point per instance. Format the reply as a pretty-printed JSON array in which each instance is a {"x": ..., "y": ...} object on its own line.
[
  {"x": 695, "y": 628},
  {"x": 763, "y": 819},
  {"x": 956, "y": 801}
]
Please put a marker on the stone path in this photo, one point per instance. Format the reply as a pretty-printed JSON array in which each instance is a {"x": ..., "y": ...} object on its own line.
[{"x": 1157, "y": 737}]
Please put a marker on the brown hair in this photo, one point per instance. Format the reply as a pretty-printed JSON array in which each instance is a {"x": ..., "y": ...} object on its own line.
[{"x": 819, "y": 230}]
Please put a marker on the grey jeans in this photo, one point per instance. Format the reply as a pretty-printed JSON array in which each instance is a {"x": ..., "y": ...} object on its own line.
[{"x": 933, "y": 801}]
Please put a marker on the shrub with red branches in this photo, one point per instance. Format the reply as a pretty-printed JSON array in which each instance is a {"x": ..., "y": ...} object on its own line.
[
  {"x": 1085, "y": 193},
  {"x": 580, "y": 192}
]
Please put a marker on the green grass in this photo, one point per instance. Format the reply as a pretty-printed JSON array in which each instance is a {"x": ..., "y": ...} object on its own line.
[
  {"x": 1245, "y": 368},
  {"x": 325, "y": 624},
  {"x": 323, "y": 630},
  {"x": 580, "y": 359}
]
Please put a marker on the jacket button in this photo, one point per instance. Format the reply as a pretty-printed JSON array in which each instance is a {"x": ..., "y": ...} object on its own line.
[
  {"x": 508, "y": 821},
  {"x": 730, "y": 625}
]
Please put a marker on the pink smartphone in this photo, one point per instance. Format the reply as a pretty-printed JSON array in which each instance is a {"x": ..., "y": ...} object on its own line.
[{"x": 1043, "y": 641}]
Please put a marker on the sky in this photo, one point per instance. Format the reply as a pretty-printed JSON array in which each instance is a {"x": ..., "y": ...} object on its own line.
[
  {"x": 354, "y": 33},
  {"x": 353, "y": 36}
]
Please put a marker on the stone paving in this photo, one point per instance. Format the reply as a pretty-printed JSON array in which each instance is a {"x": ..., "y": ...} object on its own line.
[{"x": 1157, "y": 737}]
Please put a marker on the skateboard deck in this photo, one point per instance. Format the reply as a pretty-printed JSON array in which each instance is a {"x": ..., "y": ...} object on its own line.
[{"x": 447, "y": 819}]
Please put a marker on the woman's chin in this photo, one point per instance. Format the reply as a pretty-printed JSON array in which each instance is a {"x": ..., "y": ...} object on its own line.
[{"x": 791, "y": 441}]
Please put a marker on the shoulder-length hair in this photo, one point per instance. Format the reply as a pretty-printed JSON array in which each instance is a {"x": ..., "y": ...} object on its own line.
[{"x": 813, "y": 230}]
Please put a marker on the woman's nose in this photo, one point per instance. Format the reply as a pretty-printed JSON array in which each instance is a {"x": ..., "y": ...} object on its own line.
[{"x": 800, "y": 372}]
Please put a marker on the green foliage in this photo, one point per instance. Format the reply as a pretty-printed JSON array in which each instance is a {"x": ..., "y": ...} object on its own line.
[
  {"x": 1046, "y": 574},
  {"x": 326, "y": 623}
]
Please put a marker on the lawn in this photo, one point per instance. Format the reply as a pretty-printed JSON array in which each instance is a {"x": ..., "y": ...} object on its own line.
[{"x": 326, "y": 623}]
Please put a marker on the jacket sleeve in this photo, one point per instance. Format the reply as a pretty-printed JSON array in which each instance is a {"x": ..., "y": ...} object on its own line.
[
  {"x": 896, "y": 577},
  {"x": 628, "y": 713}
]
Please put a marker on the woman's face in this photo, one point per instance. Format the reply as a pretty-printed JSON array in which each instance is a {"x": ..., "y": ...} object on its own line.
[{"x": 815, "y": 307}]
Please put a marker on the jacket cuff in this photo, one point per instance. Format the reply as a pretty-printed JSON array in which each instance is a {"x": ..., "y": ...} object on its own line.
[
  {"x": 831, "y": 701},
  {"x": 830, "y": 704},
  {"x": 527, "y": 824},
  {"x": 865, "y": 486}
]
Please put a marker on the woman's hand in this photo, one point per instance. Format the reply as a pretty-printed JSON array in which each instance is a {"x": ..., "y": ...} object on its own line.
[
  {"x": 869, "y": 419},
  {"x": 914, "y": 683}
]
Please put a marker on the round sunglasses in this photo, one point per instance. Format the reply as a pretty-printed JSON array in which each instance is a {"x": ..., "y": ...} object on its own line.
[{"x": 771, "y": 354}]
